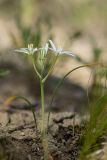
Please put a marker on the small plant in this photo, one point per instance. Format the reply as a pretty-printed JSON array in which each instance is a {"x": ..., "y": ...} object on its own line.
[
  {"x": 95, "y": 128},
  {"x": 97, "y": 124},
  {"x": 39, "y": 58},
  {"x": 48, "y": 56}
]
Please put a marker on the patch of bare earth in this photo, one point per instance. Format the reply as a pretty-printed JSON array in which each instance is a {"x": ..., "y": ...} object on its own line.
[{"x": 20, "y": 140}]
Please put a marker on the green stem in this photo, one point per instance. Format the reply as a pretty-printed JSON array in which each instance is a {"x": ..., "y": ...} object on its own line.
[
  {"x": 42, "y": 103},
  {"x": 51, "y": 69},
  {"x": 34, "y": 66},
  {"x": 32, "y": 109},
  {"x": 60, "y": 83},
  {"x": 44, "y": 138}
]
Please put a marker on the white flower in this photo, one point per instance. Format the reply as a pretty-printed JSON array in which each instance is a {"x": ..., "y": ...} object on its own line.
[
  {"x": 30, "y": 50},
  {"x": 59, "y": 51}
]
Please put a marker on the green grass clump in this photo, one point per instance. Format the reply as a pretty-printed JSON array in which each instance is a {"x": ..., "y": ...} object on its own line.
[{"x": 97, "y": 124}]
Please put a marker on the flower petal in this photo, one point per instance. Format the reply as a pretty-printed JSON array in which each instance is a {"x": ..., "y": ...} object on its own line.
[
  {"x": 68, "y": 53},
  {"x": 46, "y": 47},
  {"x": 23, "y": 48},
  {"x": 53, "y": 50},
  {"x": 52, "y": 45},
  {"x": 21, "y": 51}
]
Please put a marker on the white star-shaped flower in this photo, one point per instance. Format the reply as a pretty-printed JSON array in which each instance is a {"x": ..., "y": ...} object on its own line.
[
  {"x": 30, "y": 50},
  {"x": 59, "y": 51}
]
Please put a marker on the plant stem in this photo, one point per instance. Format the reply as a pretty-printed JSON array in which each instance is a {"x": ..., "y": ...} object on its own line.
[
  {"x": 60, "y": 83},
  {"x": 44, "y": 138},
  {"x": 34, "y": 66},
  {"x": 51, "y": 69},
  {"x": 42, "y": 103},
  {"x": 9, "y": 100}
]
